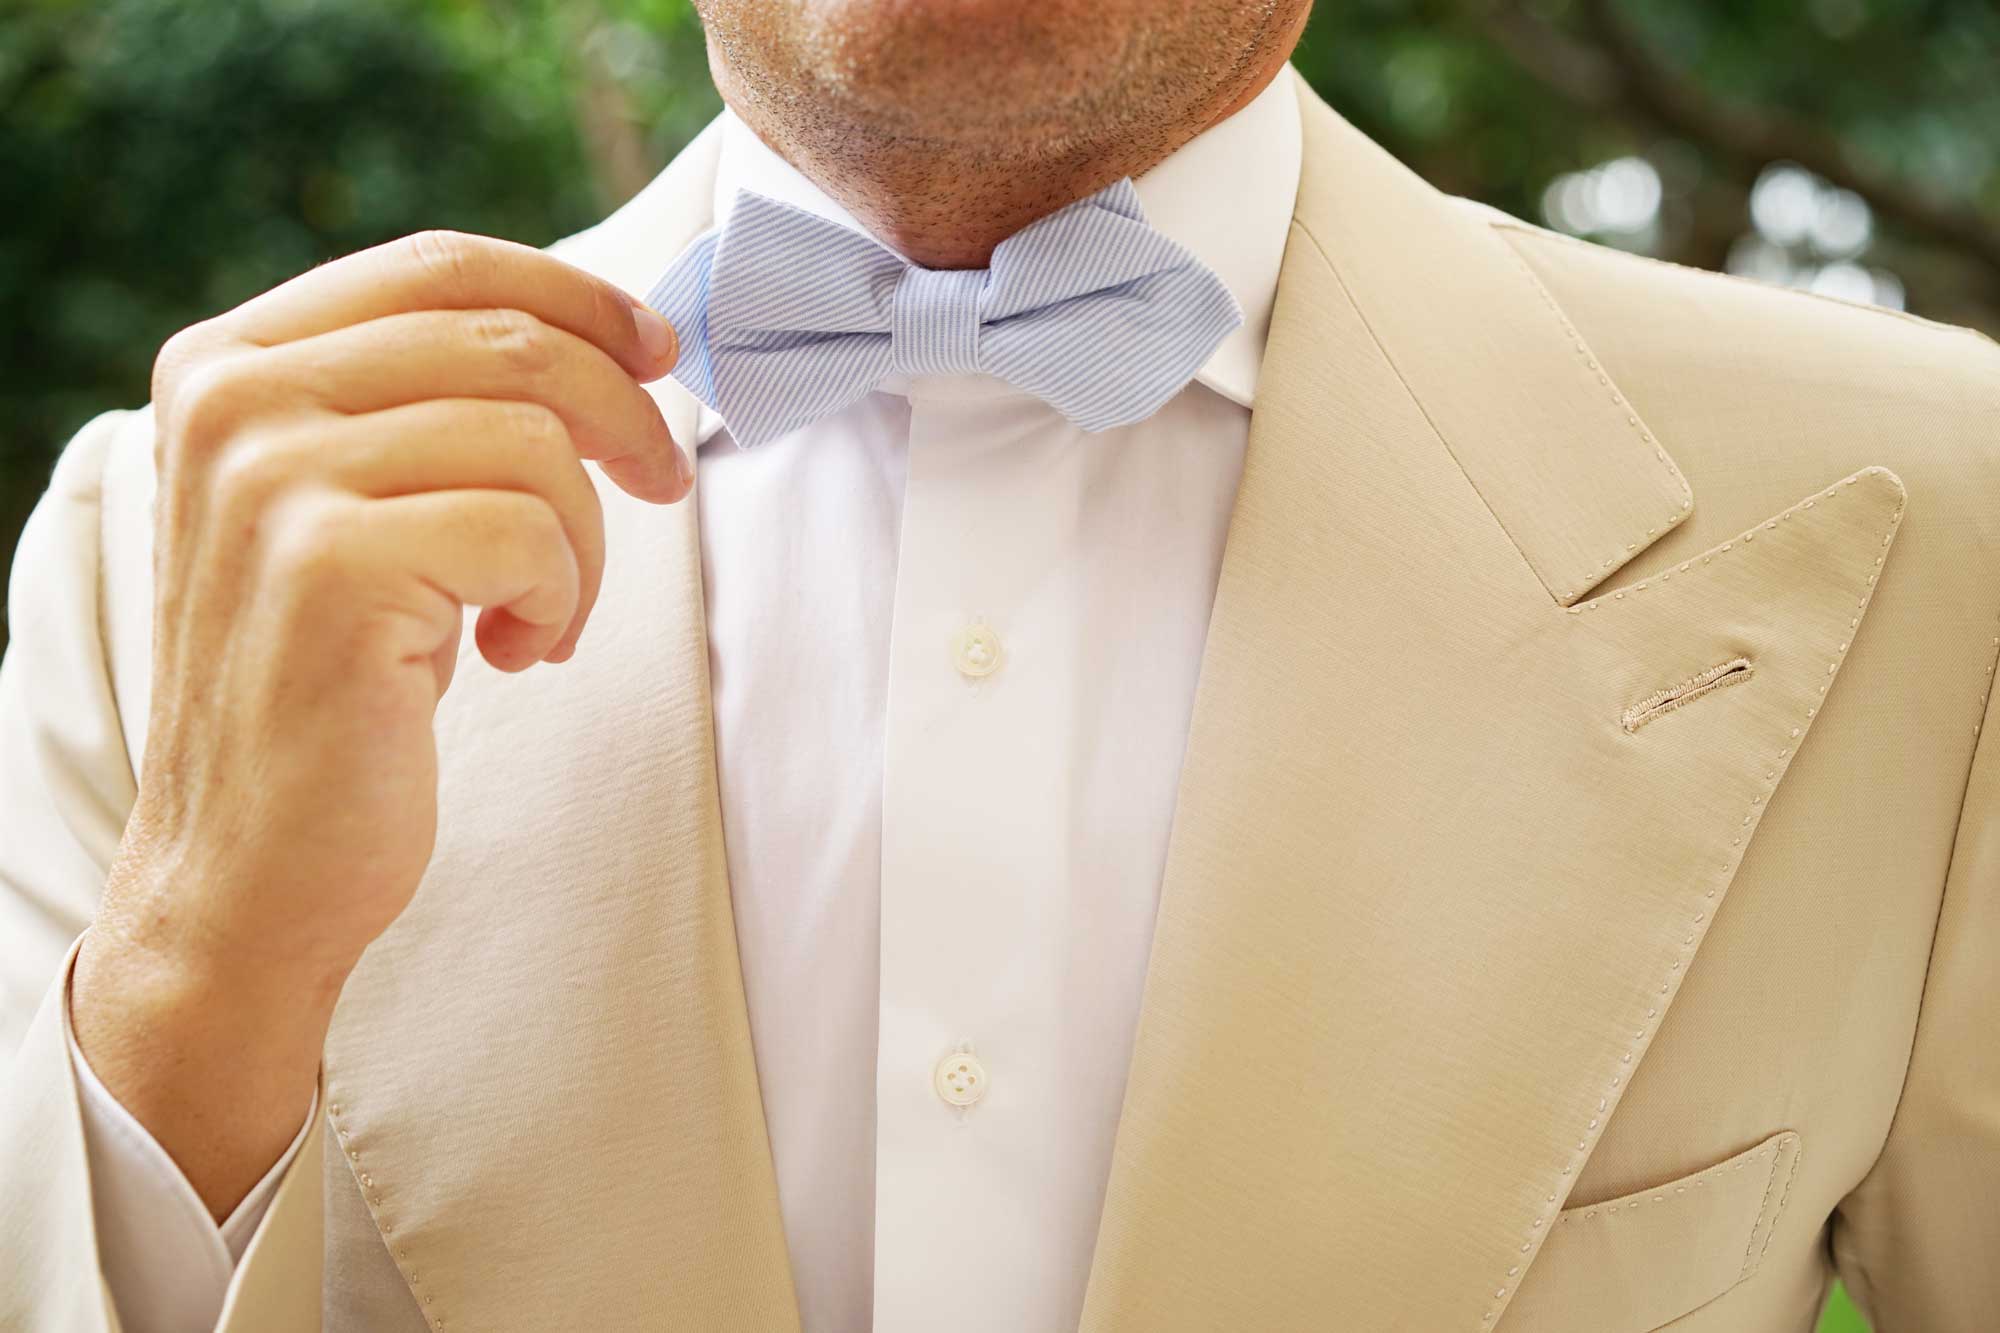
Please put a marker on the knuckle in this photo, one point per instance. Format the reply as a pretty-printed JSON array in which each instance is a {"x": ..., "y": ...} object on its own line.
[
  {"x": 453, "y": 259},
  {"x": 309, "y": 546},
  {"x": 187, "y": 367},
  {"x": 211, "y": 401},
  {"x": 180, "y": 352},
  {"x": 537, "y": 423},
  {"x": 544, "y": 542},
  {"x": 520, "y": 340},
  {"x": 244, "y": 476},
  {"x": 542, "y": 527},
  {"x": 541, "y": 431},
  {"x": 611, "y": 312}
]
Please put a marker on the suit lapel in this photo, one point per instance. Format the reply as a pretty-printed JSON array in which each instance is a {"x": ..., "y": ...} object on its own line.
[
  {"x": 541, "y": 1077},
  {"x": 1449, "y": 837}
]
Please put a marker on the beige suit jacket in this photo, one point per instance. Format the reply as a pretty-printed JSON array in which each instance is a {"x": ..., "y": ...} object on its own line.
[{"x": 1582, "y": 906}]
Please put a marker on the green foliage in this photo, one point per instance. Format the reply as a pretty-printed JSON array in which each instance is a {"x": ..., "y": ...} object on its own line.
[
  {"x": 1841, "y": 1316},
  {"x": 1494, "y": 98},
  {"x": 1445, "y": 83}
]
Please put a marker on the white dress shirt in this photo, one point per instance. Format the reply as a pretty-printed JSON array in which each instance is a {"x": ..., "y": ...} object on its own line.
[{"x": 954, "y": 643}]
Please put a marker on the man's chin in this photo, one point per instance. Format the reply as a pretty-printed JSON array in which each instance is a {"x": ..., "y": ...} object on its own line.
[{"x": 938, "y": 70}]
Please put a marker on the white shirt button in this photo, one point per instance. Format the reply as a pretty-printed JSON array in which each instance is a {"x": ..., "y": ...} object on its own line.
[
  {"x": 961, "y": 1079},
  {"x": 976, "y": 650}
]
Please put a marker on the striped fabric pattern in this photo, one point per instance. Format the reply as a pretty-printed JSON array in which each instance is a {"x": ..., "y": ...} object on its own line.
[{"x": 785, "y": 316}]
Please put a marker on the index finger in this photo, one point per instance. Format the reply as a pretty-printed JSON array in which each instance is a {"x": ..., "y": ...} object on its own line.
[{"x": 449, "y": 270}]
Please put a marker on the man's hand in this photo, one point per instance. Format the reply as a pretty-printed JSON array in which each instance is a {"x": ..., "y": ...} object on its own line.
[{"x": 345, "y": 463}]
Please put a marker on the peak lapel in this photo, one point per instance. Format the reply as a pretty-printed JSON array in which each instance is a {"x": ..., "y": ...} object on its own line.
[
  {"x": 1448, "y": 838},
  {"x": 541, "y": 1077}
]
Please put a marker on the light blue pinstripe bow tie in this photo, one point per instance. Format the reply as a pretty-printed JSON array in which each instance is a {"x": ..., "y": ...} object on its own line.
[{"x": 785, "y": 316}]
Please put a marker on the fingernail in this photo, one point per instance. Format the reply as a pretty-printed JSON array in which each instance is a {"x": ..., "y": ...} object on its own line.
[
  {"x": 683, "y": 468},
  {"x": 655, "y": 335}
]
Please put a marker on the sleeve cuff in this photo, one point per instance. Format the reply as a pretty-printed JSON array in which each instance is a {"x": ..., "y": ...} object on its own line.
[{"x": 167, "y": 1263}]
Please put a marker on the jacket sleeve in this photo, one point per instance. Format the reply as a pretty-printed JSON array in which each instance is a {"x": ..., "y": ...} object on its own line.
[
  {"x": 81, "y": 577},
  {"x": 1917, "y": 1240}
]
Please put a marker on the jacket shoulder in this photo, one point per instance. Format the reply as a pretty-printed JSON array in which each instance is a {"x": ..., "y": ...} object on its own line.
[
  {"x": 1665, "y": 323},
  {"x": 1737, "y": 374}
]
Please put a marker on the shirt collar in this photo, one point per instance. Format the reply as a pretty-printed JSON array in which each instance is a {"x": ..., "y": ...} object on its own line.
[{"x": 1226, "y": 195}]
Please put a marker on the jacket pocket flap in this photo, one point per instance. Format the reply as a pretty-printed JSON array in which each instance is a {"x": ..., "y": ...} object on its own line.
[{"x": 1633, "y": 1264}]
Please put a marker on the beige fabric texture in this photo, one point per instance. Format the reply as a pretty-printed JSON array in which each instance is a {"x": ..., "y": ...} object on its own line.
[{"x": 1470, "y": 1006}]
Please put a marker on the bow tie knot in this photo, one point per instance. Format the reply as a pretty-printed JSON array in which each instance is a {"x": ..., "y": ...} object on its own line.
[
  {"x": 935, "y": 325},
  {"x": 785, "y": 316}
]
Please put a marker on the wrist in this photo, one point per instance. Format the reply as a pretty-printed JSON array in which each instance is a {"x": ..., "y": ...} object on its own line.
[{"x": 216, "y": 1061}]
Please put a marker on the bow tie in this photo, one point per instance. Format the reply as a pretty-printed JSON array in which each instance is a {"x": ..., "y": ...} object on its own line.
[{"x": 785, "y": 316}]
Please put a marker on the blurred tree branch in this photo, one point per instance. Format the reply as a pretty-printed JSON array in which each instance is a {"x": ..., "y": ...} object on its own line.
[
  {"x": 1608, "y": 67},
  {"x": 621, "y": 160}
]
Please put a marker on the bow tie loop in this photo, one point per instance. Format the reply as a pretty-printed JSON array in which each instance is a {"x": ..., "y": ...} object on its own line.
[
  {"x": 935, "y": 327},
  {"x": 785, "y": 316}
]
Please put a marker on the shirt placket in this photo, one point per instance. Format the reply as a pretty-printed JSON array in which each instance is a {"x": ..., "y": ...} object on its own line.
[{"x": 976, "y": 814}]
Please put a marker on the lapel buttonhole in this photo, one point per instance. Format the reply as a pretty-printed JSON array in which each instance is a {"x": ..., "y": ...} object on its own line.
[{"x": 1733, "y": 672}]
